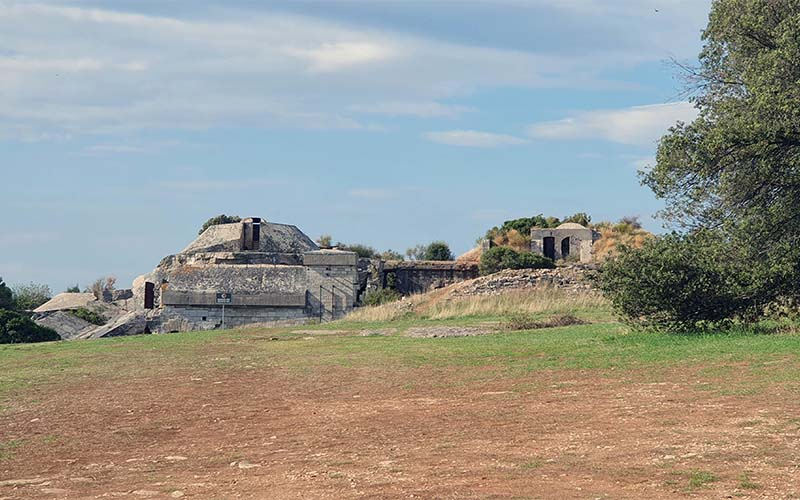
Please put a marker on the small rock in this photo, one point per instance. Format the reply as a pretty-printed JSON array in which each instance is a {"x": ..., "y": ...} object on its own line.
[
  {"x": 176, "y": 494},
  {"x": 247, "y": 465},
  {"x": 175, "y": 458}
]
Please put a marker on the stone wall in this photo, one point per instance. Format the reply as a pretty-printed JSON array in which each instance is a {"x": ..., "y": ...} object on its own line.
[
  {"x": 409, "y": 277},
  {"x": 568, "y": 278}
]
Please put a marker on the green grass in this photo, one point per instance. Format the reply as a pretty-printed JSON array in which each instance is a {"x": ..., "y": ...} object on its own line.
[
  {"x": 701, "y": 478},
  {"x": 766, "y": 359}
]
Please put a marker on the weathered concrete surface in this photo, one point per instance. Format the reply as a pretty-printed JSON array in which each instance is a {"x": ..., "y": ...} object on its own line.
[
  {"x": 274, "y": 238},
  {"x": 420, "y": 276},
  {"x": 65, "y": 324},
  {"x": 64, "y": 301},
  {"x": 131, "y": 323},
  {"x": 570, "y": 278},
  {"x": 569, "y": 240}
]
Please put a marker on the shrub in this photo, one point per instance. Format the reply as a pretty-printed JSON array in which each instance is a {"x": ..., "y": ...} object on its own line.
[
  {"x": 89, "y": 315},
  {"x": 499, "y": 258},
  {"x": 391, "y": 255},
  {"x": 102, "y": 288},
  {"x": 382, "y": 296},
  {"x": 324, "y": 241},
  {"x": 73, "y": 289},
  {"x": 438, "y": 250},
  {"x": 6, "y": 296},
  {"x": 526, "y": 321},
  {"x": 219, "y": 219},
  {"x": 30, "y": 296},
  {"x": 17, "y": 328},
  {"x": 684, "y": 283},
  {"x": 363, "y": 251}
]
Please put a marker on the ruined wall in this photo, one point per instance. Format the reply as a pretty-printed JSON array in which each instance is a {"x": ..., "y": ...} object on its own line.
[{"x": 420, "y": 276}]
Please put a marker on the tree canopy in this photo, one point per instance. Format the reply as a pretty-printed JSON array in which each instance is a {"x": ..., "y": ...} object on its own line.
[{"x": 736, "y": 168}]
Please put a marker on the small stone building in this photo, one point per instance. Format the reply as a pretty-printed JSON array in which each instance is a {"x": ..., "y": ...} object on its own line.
[{"x": 569, "y": 241}]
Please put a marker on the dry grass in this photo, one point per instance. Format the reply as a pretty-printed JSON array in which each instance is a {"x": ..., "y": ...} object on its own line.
[{"x": 439, "y": 305}]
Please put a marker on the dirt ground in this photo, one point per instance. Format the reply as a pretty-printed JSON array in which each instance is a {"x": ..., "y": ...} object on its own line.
[{"x": 353, "y": 433}]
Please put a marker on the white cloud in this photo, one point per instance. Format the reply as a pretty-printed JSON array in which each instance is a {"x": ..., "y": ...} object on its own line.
[
  {"x": 642, "y": 125},
  {"x": 474, "y": 139},
  {"x": 70, "y": 71},
  {"x": 424, "y": 109},
  {"x": 340, "y": 55}
]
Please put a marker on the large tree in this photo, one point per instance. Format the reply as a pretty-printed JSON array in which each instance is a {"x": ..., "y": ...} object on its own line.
[{"x": 736, "y": 168}]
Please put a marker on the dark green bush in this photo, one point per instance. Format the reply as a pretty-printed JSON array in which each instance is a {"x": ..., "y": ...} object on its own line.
[
  {"x": 6, "y": 296},
  {"x": 382, "y": 296},
  {"x": 685, "y": 283},
  {"x": 362, "y": 251},
  {"x": 17, "y": 328},
  {"x": 499, "y": 258},
  {"x": 438, "y": 250},
  {"x": 89, "y": 315}
]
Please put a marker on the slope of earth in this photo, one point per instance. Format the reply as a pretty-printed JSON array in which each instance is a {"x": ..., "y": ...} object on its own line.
[{"x": 587, "y": 411}]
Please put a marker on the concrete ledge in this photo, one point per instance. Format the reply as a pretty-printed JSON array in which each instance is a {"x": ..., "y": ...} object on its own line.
[
  {"x": 184, "y": 298},
  {"x": 329, "y": 258}
]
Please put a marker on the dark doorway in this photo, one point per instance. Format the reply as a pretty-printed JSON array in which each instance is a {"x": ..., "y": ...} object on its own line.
[
  {"x": 549, "y": 247},
  {"x": 565, "y": 248},
  {"x": 149, "y": 295}
]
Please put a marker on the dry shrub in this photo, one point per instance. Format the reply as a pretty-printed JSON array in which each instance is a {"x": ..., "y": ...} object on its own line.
[{"x": 526, "y": 321}]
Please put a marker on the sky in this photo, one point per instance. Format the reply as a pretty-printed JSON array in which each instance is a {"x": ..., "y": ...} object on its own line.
[{"x": 125, "y": 124}]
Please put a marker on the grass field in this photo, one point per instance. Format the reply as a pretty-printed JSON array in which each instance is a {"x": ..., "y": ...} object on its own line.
[{"x": 359, "y": 409}]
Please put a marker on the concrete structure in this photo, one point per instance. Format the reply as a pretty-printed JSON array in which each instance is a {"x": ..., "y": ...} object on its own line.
[
  {"x": 569, "y": 241},
  {"x": 271, "y": 273}
]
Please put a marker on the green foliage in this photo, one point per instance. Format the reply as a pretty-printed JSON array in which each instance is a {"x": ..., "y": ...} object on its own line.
[
  {"x": 219, "y": 219},
  {"x": 30, "y": 296},
  {"x": 581, "y": 218},
  {"x": 363, "y": 251},
  {"x": 89, "y": 315},
  {"x": 737, "y": 166},
  {"x": 498, "y": 258},
  {"x": 382, "y": 296},
  {"x": 438, "y": 250},
  {"x": 17, "y": 328},
  {"x": 391, "y": 255},
  {"x": 417, "y": 252},
  {"x": 73, "y": 289},
  {"x": 684, "y": 283},
  {"x": 324, "y": 241},
  {"x": 6, "y": 296}
]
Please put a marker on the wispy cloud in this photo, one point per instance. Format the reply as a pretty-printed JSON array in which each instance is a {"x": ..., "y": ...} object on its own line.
[
  {"x": 641, "y": 125},
  {"x": 373, "y": 193},
  {"x": 474, "y": 139},
  {"x": 424, "y": 109}
]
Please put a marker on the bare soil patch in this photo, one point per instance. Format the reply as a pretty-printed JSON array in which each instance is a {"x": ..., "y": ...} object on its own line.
[{"x": 421, "y": 433}]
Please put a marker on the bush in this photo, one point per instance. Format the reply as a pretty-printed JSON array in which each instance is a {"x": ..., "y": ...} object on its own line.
[
  {"x": 526, "y": 321},
  {"x": 30, "y": 296},
  {"x": 17, "y": 328},
  {"x": 362, "y": 251},
  {"x": 438, "y": 250},
  {"x": 219, "y": 219},
  {"x": 73, "y": 289},
  {"x": 685, "y": 283},
  {"x": 499, "y": 258},
  {"x": 102, "y": 288},
  {"x": 6, "y": 296},
  {"x": 89, "y": 315},
  {"x": 382, "y": 296}
]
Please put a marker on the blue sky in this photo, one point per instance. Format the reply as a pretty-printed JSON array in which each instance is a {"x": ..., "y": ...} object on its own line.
[{"x": 124, "y": 125}]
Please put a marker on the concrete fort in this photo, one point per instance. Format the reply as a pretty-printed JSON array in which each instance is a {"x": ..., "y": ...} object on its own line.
[{"x": 276, "y": 275}]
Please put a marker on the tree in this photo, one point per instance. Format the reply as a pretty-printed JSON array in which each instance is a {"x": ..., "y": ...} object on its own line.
[
  {"x": 73, "y": 289},
  {"x": 324, "y": 241},
  {"x": 30, "y": 296},
  {"x": 391, "y": 255},
  {"x": 737, "y": 166},
  {"x": 363, "y": 251},
  {"x": 438, "y": 250},
  {"x": 6, "y": 296},
  {"x": 581, "y": 218},
  {"x": 417, "y": 252},
  {"x": 684, "y": 282},
  {"x": 498, "y": 258},
  {"x": 102, "y": 288},
  {"x": 17, "y": 328},
  {"x": 219, "y": 219}
]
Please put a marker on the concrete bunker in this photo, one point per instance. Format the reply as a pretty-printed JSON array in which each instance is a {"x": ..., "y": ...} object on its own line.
[{"x": 569, "y": 241}]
